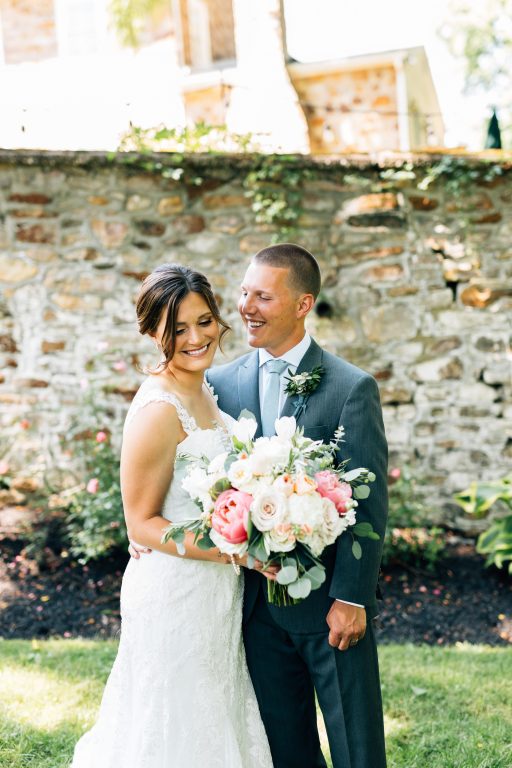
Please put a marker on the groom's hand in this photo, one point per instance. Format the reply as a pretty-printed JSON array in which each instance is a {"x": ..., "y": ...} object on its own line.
[
  {"x": 136, "y": 550},
  {"x": 347, "y": 625}
]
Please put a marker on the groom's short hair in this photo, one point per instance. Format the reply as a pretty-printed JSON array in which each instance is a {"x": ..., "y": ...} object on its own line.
[{"x": 304, "y": 270}]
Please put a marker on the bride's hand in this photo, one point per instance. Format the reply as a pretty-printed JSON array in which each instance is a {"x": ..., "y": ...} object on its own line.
[{"x": 269, "y": 572}]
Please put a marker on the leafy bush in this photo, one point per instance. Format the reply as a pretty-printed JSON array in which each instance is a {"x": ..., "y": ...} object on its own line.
[
  {"x": 95, "y": 523},
  {"x": 409, "y": 540},
  {"x": 478, "y": 499}
]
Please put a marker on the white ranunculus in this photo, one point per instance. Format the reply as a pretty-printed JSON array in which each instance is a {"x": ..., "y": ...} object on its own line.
[
  {"x": 226, "y": 546},
  {"x": 240, "y": 475},
  {"x": 196, "y": 482},
  {"x": 285, "y": 427},
  {"x": 280, "y": 539},
  {"x": 306, "y": 510},
  {"x": 245, "y": 429},
  {"x": 268, "y": 454},
  {"x": 268, "y": 508}
]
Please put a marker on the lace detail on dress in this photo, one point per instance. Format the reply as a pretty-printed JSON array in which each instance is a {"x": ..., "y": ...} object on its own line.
[
  {"x": 146, "y": 396},
  {"x": 211, "y": 390}
]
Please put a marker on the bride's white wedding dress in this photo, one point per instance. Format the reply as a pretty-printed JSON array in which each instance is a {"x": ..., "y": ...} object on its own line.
[{"x": 179, "y": 694}]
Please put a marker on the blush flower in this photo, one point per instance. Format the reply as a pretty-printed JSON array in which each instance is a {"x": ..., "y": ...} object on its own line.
[
  {"x": 93, "y": 485},
  {"x": 101, "y": 437},
  {"x": 331, "y": 488},
  {"x": 230, "y": 516}
]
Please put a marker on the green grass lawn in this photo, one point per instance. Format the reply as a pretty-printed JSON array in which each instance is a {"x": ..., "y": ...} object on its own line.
[{"x": 444, "y": 707}]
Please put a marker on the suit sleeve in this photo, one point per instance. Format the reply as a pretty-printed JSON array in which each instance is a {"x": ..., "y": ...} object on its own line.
[{"x": 356, "y": 580}]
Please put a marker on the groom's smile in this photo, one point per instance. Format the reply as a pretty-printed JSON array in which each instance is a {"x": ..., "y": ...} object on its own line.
[{"x": 271, "y": 308}]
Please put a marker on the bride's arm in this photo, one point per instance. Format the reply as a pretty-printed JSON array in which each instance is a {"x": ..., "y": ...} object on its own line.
[{"x": 147, "y": 463}]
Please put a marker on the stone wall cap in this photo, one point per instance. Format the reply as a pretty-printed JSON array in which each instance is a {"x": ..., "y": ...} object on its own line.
[{"x": 137, "y": 162}]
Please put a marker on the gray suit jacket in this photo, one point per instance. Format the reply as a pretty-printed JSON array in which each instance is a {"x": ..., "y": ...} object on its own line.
[{"x": 349, "y": 397}]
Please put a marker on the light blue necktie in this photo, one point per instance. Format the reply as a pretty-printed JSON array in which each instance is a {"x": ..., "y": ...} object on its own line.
[{"x": 270, "y": 403}]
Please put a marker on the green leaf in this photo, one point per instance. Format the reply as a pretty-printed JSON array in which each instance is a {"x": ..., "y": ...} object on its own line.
[
  {"x": 204, "y": 542},
  {"x": 363, "y": 529},
  {"x": 287, "y": 575},
  {"x": 316, "y": 575},
  {"x": 357, "y": 550},
  {"x": 300, "y": 589},
  {"x": 361, "y": 492}
]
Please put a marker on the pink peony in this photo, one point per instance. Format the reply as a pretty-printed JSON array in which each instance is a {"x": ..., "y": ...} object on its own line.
[
  {"x": 231, "y": 515},
  {"x": 101, "y": 437},
  {"x": 93, "y": 485},
  {"x": 330, "y": 487}
]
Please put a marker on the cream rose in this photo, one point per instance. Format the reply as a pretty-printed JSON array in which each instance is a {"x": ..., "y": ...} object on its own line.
[{"x": 268, "y": 508}]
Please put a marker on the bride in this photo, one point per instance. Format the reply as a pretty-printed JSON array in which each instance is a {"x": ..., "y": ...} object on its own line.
[{"x": 179, "y": 694}]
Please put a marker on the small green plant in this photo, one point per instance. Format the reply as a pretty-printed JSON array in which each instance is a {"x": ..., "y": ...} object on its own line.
[
  {"x": 95, "y": 523},
  {"x": 409, "y": 540},
  {"x": 200, "y": 137},
  {"x": 478, "y": 499}
]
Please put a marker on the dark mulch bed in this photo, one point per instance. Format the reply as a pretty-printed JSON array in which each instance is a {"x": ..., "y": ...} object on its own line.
[{"x": 462, "y": 601}]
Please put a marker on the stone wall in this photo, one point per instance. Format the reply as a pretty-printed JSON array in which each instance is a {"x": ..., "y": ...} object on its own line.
[{"x": 417, "y": 290}]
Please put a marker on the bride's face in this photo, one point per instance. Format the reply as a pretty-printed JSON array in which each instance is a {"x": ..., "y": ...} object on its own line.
[{"x": 197, "y": 334}]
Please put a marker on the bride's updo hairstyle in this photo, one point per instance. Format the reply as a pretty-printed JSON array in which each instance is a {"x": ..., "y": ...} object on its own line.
[{"x": 162, "y": 292}]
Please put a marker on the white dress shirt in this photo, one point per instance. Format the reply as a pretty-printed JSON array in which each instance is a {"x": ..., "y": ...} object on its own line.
[{"x": 293, "y": 358}]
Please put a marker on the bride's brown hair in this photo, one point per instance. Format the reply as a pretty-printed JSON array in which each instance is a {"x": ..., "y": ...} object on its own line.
[{"x": 163, "y": 291}]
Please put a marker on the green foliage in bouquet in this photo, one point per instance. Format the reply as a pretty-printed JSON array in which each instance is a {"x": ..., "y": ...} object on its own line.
[
  {"x": 95, "y": 516},
  {"x": 408, "y": 539},
  {"x": 478, "y": 499}
]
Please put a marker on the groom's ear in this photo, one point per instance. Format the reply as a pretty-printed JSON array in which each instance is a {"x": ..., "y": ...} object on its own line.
[{"x": 305, "y": 304}]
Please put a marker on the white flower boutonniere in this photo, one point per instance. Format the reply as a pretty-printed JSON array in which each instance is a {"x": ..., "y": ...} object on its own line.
[{"x": 303, "y": 384}]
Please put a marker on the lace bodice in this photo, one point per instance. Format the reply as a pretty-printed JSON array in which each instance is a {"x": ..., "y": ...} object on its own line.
[{"x": 178, "y": 506}]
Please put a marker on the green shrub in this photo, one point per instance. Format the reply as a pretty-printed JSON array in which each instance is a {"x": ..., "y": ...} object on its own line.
[
  {"x": 478, "y": 499},
  {"x": 95, "y": 524},
  {"x": 409, "y": 539}
]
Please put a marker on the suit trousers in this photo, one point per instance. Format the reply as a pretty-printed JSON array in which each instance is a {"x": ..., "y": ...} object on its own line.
[{"x": 287, "y": 668}]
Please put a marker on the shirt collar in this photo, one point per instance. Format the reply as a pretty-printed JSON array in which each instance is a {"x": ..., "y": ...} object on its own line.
[{"x": 292, "y": 357}]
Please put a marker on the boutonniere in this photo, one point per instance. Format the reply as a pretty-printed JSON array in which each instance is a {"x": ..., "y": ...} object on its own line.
[{"x": 303, "y": 384}]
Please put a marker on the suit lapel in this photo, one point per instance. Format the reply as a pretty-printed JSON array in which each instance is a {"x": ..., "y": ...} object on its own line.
[
  {"x": 248, "y": 388},
  {"x": 311, "y": 359}
]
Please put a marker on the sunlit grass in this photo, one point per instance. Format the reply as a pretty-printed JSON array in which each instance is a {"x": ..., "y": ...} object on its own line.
[{"x": 444, "y": 707}]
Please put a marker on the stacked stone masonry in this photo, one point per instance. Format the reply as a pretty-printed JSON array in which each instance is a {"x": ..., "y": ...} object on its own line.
[{"x": 417, "y": 290}]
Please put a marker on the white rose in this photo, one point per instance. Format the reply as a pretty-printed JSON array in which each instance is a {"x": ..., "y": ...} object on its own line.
[
  {"x": 285, "y": 427},
  {"x": 245, "y": 429},
  {"x": 268, "y": 508},
  {"x": 333, "y": 525},
  {"x": 280, "y": 538}
]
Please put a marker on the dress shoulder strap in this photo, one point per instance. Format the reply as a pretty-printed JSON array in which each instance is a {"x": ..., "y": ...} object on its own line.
[{"x": 146, "y": 396}]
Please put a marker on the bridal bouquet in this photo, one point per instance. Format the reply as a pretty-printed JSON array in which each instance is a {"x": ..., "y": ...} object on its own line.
[{"x": 280, "y": 500}]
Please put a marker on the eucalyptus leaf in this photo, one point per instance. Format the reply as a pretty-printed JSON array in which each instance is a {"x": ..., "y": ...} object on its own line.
[
  {"x": 287, "y": 575},
  {"x": 300, "y": 589},
  {"x": 205, "y": 543},
  {"x": 180, "y": 548},
  {"x": 362, "y": 529},
  {"x": 357, "y": 550},
  {"x": 316, "y": 575},
  {"x": 361, "y": 492},
  {"x": 353, "y": 474}
]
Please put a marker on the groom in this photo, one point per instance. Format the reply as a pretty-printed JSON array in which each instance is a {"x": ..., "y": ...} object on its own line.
[{"x": 325, "y": 644}]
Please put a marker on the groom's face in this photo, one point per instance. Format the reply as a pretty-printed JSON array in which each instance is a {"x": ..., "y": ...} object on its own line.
[{"x": 271, "y": 309}]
